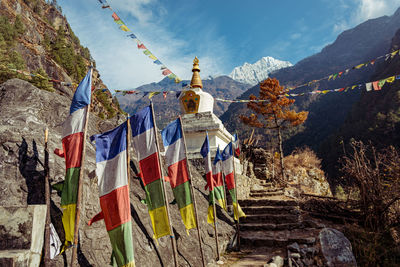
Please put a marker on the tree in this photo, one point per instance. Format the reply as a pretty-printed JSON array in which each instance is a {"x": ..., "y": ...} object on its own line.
[
  {"x": 41, "y": 80},
  {"x": 273, "y": 112}
]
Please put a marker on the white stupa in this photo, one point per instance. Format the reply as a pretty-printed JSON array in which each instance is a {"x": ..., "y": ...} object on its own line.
[{"x": 198, "y": 117}]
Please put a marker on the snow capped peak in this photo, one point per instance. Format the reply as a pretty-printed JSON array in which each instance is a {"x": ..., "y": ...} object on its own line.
[{"x": 259, "y": 71}]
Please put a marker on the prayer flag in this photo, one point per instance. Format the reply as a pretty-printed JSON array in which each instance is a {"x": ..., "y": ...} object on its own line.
[
  {"x": 158, "y": 62},
  {"x": 359, "y": 66},
  {"x": 124, "y": 28},
  {"x": 171, "y": 76},
  {"x": 146, "y": 52},
  {"x": 368, "y": 87},
  {"x": 390, "y": 79},
  {"x": 72, "y": 142},
  {"x": 152, "y": 57},
  {"x": 177, "y": 80},
  {"x": 166, "y": 72},
  {"x": 165, "y": 94},
  {"x": 132, "y": 36},
  {"x": 119, "y": 22},
  {"x": 111, "y": 170},
  {"x": 143, "y": 139},
  {"x": 141, "y": 46},
  {"x": 178, "y": 175},
  {"x": 227, "y": 166},
  {"x": 151, "y": 94},
  {"x": 115, "y": 16},
  {"x": 214, "y": 182},
  {"x": 236, "y": 145}
]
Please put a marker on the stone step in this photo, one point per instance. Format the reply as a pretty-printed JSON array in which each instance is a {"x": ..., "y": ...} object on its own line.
[
  {"x": 267, "y": 202},
  {"x": 269, "y": 218},
  {"x": 271, "y": 226},
  {"x": 266, "y": 194},
  {"x": 267, "y": 189},
  {"x": 278, "y": 238},
  {"x": 271, "y": 210}
]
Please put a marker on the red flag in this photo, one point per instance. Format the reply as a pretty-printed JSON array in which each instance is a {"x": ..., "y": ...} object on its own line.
[
  {"x": 141, "y": 46},
  {"x": 166, "y": 72},
  {"x": 115, "y": 16}
]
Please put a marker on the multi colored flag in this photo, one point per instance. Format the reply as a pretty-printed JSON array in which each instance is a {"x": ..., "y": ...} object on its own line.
[
  {"x": 72, "y": 142},
  {"x": 111, "y": 170},
  {"x": 144, "y": 142},
  {"x": 214, "y": 182},
  {"x": 175, "y": 159},
  {"x": 236, "y": 145},
  {"x": 228, "y": 168}
]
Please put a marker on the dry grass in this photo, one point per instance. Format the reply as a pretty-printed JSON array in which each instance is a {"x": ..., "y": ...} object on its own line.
[{"x": 302, "y": 158}]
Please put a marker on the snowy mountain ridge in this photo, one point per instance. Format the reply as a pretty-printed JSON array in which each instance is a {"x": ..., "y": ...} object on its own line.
[{"x": 259, "y": 71}]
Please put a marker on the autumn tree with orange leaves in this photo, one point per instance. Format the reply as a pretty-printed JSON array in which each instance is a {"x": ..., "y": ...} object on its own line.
[{"x": 273, "y": 112}]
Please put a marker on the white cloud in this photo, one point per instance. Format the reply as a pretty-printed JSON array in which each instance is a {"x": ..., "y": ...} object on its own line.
[
  {"x": 369, "y": 9},
  {"x": 120, "y": 63}
]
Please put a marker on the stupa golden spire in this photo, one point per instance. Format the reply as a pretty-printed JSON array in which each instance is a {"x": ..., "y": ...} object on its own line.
[{"x": 196, "y": 80}]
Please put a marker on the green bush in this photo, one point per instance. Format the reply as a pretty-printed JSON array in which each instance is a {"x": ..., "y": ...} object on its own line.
[{"x": 42, "y": 83}]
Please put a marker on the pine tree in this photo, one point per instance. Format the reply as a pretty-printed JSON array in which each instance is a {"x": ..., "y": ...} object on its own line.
[{"x": 273, "y": 112}]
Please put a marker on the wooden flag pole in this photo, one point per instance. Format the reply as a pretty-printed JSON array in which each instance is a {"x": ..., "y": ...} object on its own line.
[
  {"x": 215, "y": 225},
  {"x": 237, "y": 200},
  {"x": 173, "y": 241},
  {"x": 128, "y": 166},
  {"x": 47, "y": 196},
  {"x": 192, "y": 191},
  {"x": 80, "y": 185}
]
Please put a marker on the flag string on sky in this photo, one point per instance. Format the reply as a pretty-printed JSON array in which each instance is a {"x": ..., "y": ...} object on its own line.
[
  {"x": 370, "y": 86},
  {"x": 164, "y": 69}
]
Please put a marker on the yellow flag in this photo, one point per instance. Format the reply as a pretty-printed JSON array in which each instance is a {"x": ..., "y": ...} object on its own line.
[
  {"x": 359, "y": 66},
  {"x": 390, "y": 79},
  {"x": 152, "y": 57},
  {"x": 124, "y": 28},
  {"x": 151, "y": 94}
]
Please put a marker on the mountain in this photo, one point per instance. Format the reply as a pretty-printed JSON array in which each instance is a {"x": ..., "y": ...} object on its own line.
[
  {"x": 36, "y": 38},
  {"x": 374, "y": 119},
  {"x": 167, "y": 109},
  {"x": 259, "y": 71},
  {"x": 326, "y": 112}
]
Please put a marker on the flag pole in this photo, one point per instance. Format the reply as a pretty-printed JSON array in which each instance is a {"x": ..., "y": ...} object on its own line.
[
  {"x": 173, "y": 242},
  {"x": 47, "y": 196},
  {"x": 128, "y": 166},
  {"x": 192, "y": 191},
  {"x": 215, "y": 224},
  {"x": 237, "y": 200},
  {"x": 80, "y": 184}
]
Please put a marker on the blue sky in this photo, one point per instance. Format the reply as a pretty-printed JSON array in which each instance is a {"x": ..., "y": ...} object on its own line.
[{"x": 222, "y": 34}]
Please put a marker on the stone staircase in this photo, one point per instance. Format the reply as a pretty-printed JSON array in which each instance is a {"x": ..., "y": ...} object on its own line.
[{"x": 274, "y": 220}]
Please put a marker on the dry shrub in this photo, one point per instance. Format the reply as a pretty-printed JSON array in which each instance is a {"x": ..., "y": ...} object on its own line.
[
  {"x": 302, "y": 158},
  {"x": 377, "y": 177}
]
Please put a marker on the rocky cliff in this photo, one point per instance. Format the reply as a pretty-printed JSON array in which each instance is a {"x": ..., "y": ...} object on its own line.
[{"x": 35, "y": 38}]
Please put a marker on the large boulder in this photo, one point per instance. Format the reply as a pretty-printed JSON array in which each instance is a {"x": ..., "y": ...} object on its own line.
[{"x": 336, "y": 248}]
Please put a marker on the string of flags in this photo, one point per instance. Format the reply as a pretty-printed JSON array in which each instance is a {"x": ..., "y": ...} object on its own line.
[
  {"x": 27, "y": 73},
  {"x": 345, "y": 72},
  {"x": 122, "y": 26},
  {"x": 370, "y": 86}
]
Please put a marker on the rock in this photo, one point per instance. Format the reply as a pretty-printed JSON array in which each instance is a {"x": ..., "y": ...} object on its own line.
[
  {"x": 295, "y": 255},
  {"x": 336, "y": 248},
  {"x": 278, "y": 261},
  {"x": 294, "y": 247}
]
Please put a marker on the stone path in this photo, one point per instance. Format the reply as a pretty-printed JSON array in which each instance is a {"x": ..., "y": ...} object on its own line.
[{"x": 273, "y": 221}]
